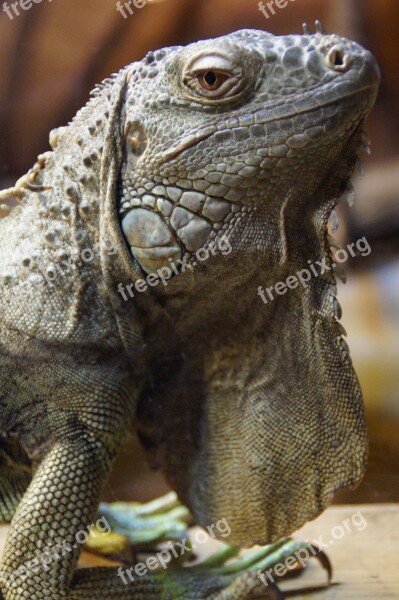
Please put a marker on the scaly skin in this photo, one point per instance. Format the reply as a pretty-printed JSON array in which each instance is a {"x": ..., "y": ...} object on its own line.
[{"x": 253, "y": 411}]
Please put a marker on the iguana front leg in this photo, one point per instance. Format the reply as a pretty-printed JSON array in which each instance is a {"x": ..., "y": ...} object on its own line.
[{"x": 42, "y": 549}]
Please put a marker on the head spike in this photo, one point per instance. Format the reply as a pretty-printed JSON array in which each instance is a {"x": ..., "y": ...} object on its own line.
[
  {"x": 319, "y": 28},
  {"x": 306, "y": 29}
]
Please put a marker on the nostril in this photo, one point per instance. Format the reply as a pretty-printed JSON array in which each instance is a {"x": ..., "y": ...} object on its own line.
[{"x": 337, "y": 59}]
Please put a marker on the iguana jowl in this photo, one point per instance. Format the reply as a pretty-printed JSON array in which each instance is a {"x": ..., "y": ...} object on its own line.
[{"x": 253, "y": 411}]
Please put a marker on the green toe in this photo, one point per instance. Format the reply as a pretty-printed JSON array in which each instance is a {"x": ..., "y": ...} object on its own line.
[{"x": 150, "y": 524}]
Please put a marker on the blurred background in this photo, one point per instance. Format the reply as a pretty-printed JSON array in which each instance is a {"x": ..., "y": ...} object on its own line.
[{"x": 52, "y": 55}]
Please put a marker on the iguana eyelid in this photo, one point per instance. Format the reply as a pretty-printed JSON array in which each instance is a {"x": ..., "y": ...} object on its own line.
[{"x": 211, "y": 62}]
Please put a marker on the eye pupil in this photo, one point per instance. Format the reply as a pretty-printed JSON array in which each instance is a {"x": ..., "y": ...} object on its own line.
[
  {"x": 214, "y": 82},
  {"x": 210, "y": 78}
]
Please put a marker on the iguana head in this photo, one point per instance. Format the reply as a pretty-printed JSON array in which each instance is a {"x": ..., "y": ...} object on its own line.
[{"x": 242, "y": 124}]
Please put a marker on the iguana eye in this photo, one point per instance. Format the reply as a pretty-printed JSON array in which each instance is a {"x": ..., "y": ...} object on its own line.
[
  {"x": 212, "y": 80},
  {"x": 213, "y": 77}
]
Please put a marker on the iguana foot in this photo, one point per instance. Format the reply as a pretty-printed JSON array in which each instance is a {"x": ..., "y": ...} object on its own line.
[
  {"x": 145, "y": 526},
  {"x": 216, "y": 578},
  {"x": 258, "y": 565},
  {"x": 222, "y": 576}
]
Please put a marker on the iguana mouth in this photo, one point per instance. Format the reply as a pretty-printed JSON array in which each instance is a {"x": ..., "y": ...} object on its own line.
[
  {"x": 257, "y": 118},
  {"x": 277, "y": 113}
]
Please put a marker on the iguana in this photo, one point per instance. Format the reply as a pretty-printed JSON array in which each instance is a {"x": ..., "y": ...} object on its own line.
[{"x": 252, "y": 410}]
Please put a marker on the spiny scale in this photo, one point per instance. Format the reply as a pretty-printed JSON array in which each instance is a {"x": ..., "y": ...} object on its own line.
[
  {"x": 366, "y": 142},
  {"x": 340, "y": 273},
  {"x": 360, "y": 168},
  {"x": 319, "y": 28},
  {"x": 350, "y": 194},
  {"x": 334, "y": 243},
  {"x": 334, "y": 221}
]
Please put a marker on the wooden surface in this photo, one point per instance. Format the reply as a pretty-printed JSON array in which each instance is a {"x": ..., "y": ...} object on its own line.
[
  {"x": 365, "y": 563},
  {"x": 365, "y": 559}
]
